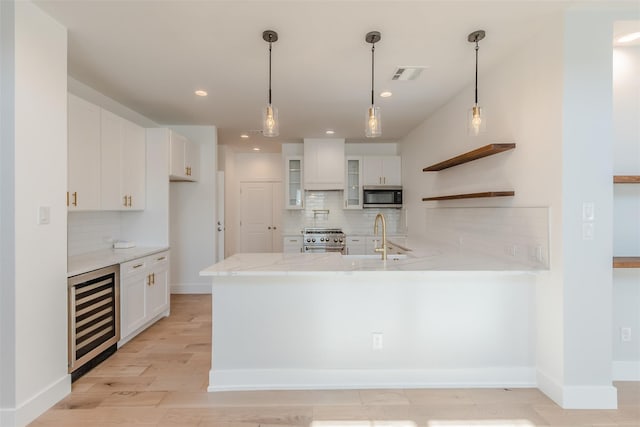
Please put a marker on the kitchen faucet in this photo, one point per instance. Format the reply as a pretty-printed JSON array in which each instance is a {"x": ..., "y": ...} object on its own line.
[{"x": 383, "y": 248}]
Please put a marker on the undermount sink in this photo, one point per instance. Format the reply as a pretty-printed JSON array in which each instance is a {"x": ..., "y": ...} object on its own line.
[{"x": 390, "y": 257}]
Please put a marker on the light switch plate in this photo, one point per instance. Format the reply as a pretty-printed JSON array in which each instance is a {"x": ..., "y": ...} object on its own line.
[
  {"x": 44, "y": 215},
  {"x": 588, "y": 211}
]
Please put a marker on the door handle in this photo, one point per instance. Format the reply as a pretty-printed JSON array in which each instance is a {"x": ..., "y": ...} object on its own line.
[
  {"x": 75, "y": 198},
  {"x": 125, "y": 201}
]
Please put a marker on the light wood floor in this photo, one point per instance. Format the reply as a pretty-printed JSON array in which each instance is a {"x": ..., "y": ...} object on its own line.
[{"x": 160, "y": 378}]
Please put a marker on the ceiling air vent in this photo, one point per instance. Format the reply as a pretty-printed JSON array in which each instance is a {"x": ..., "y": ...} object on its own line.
[{"x": 407, "y": 73}]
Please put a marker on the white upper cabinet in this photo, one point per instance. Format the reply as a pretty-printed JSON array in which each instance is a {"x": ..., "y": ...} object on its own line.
[
  {"x": 324, "y": 164},
  {"x": 83, "y": 155},
  {"x": 123, "y": 163},
  {"x": 353, "y": 183},
  {"x": 184, "y": 160},
  {"x": 294, "y": 192},
  {"x": 382, "y": 170}
]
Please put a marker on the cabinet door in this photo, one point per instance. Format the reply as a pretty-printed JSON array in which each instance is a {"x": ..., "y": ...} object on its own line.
[
  {"x": 112, "y": 136},
  {"x": 133, "y": 163},
  {"x": 83, "y": 155},
  {"x": 177, "y": 160},
  {"x": 353, "y": 183},
  {"x": 324, "y": 164},
  {"x": 192, "y": 160},
  {"x": 391, "y": 170},
  {"x": 292, "y": 244},
  {"x": 133, "y": 283},
  {"x": 158, "y": 289},
  {"x": 294, "y": 194},
  {"x": 372, "y": 170},
  {"x": 356, "y": 245}
]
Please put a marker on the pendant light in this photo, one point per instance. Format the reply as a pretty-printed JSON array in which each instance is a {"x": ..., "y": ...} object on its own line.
[
  {"x": 476, "y": 119},
  {"x": 374, "y": 124},
  {"x": 270, "y": 125}
]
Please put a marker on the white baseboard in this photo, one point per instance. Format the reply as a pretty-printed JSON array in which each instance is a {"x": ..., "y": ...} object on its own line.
[
  {"x": 626, "y": 370},
  {"x": 578, "y": 397},
  {"x": 590, "y": 397},
  {"x": 191, "y": 288},
  {"x": 36, "y": 405},
  {"x": 324, "y": 379}
]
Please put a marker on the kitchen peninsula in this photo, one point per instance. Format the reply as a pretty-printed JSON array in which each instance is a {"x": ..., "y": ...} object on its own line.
[{"x": 438, "y": 317}]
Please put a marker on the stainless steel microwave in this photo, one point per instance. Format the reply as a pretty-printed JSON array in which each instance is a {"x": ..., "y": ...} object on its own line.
[{"x": 377, "y": 196}]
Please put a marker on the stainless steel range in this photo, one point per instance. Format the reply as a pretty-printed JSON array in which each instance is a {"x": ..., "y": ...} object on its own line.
[{"x": 323, "y": 240}]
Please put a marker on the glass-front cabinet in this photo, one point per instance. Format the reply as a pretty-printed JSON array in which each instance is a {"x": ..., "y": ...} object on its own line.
[
  {"x": 353, "y": 183},
  {"x": 294, "y": 194}
]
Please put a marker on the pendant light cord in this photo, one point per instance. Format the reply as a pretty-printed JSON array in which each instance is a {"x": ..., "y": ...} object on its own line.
[
  {"x": 270, "y": 71},
  {"x": 373, "y": 48},
  {"x": 477, "y": 48}
]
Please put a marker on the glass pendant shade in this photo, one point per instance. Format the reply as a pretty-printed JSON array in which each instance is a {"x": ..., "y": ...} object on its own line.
[
  {"x": 374, "y": 122},
  {"x": 476, "y": 120},
  {"x": 270, "y": 121}
]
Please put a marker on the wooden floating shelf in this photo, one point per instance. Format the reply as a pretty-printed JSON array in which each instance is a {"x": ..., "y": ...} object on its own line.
[
  {"x": 487, "y": 150},
  {"x": 626, "y": 262},
  {"x": 472, "y": 195},
  {"x": 626, "y": 179}
]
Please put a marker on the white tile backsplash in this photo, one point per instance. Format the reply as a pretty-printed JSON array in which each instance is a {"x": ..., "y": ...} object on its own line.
[
  {"x": 352, "y": 221},
  {"x": 520, "y": 234},
  {"x": 92, "y": 231}
]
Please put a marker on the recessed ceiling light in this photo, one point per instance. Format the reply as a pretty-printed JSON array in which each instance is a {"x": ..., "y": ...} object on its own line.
[
  {"x": 629, "y": 37},
  {"x": 330, "y": 132},
  {"x": 201, "y": 92},
  {"x": 385, "y": 94},
  {"x": 256, "y": 149},
  {"x": 244, "y": 135}
]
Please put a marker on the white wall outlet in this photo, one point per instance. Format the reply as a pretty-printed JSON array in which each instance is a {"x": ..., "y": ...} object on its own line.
[
  {"x": 588, "y": 231},
  {"x": 588, "y": 211},
  {"x": 44, "y": 215},
  {"x": 625, "y": 334},
  {"x": 376, "y": 341}
]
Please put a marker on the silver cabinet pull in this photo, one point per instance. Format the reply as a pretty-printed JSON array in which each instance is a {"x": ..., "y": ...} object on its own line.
[{"x": 138, "y": 265}]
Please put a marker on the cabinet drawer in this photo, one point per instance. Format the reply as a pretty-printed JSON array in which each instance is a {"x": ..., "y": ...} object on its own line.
[
  {"x": 158, "y": 260},
  {"x": 131, "y": 268}
]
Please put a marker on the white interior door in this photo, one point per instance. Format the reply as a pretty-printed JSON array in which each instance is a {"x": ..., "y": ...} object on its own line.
[
  {"x": 256, "y": 216},
  {"x": 276, "y": 222},
  {"x": 220, "y": 221}
]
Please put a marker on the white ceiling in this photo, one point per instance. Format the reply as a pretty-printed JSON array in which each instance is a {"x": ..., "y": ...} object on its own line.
[{"x": 152, "y": 55}]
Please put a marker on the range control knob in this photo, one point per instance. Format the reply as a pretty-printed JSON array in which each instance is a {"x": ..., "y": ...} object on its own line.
[
  {"x": 340, "y": 240},
  {"x": 313, "y": 240},
  {"x": 335, "y": 240},
  {"x": 308, "y": 240}
]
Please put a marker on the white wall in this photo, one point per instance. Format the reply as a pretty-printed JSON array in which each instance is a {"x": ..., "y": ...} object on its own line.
[
  {"x": 39, "y": 362},
  {"x": 193, "y": 216},
  {"x": 522, "y": 97},
  {"x": 626, "y": 210},
  {"x": 7, "y": 214},
  {"x": 553, "y": 98},
  {"x": 432, "y": 336}
]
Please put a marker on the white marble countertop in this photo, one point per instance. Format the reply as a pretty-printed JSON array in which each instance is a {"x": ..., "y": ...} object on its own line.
[
  {"x": 421, "y": 259},
  {"x": 90, "y": 261}
]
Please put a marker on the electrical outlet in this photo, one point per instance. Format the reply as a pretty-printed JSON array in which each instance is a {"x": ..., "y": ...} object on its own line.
[
  {"x": 376, "y": 341},
  {"x": 625, "y": 334},
  {"x": 588, "y": 231}
]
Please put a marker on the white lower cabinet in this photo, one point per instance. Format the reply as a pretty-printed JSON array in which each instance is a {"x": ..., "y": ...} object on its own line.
[
  {"x": 365, "y": 245},
  {"x": 356, "y": 245},
  {"x": 292, "y": 244},
  {"x": 144, "y": 293}
]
